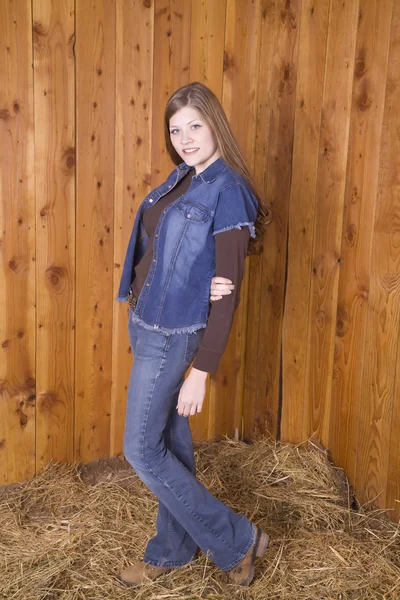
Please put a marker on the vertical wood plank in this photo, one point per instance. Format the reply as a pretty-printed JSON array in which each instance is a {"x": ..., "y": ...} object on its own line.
[
  {"x": 134, "y": 110},
  {"x": 207, "y": 43},
  {"x": 206, "y": 65},
  {"x": 383, "y": 316},
  {"x": 255, "y": 413},
  {"x": 277, "y": 175},
  {"x": 241, "y": 56},
  {"x": 392, "y": 500},
  {"x": 95, "y": 101},
  {"x": 303, "y": 200},
  {"x": 330, "y": 187},
  {"x": 349, "y": 384},
  {"x": 17, "y": 245},
  {"x": 53, "y": 27}
]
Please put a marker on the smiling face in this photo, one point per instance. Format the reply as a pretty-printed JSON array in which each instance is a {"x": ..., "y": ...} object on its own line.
[{"x": 193, "y": 139}]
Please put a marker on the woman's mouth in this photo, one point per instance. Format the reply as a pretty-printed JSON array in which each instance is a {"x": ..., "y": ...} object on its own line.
[{"x": 190, "y": 151}]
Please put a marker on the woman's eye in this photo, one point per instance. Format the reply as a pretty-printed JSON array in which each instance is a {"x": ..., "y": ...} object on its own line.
[{"x": 195, "y": 125}]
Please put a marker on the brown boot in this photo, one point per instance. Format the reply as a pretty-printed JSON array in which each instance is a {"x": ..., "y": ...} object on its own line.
[
  {"x": 140, "y": 572},
  {"x": 243, "y": 573}
]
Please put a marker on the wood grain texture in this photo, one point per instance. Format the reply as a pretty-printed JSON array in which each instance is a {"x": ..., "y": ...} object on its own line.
[
  {"x": 352, "y": 335},
  {"x": 257, "y": 373},
  {"x": 239, "y": 99},
  {"x": 380, "y": 412},
  {"x": 134, "y": 110},
  {"x": 389, "y": 167},
  {"x": 17, "y": 246},
  {"x": 303, "y": 200},
  {"x": 278, "y": 177},
  {"x": 95, "y": 137},
  {"x": 53, "y": 38},
  {"x": 328, "y": 217}
]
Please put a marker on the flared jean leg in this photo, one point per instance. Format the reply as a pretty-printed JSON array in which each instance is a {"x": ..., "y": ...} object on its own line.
[
  {"x": 172, "y": 542},
  {"x": 177, "y": 543},
  {"x": 160, "y": 361}
]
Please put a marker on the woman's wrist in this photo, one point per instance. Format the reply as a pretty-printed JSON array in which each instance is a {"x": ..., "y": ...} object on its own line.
[{"x": 199, "y": 374}]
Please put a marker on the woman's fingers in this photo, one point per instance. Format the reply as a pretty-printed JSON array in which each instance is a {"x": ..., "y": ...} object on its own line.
[
  {"x": 217, "y": 279},
  {"x": 189, "y": 410},
  {"x": 221, "y": 285},
  {"x": 218, "y": 292}
]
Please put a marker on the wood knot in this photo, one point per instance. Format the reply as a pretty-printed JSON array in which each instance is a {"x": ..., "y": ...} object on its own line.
[
  {"x": 56, "y": 276},
  {"x": 228, "y": 62},
  {"x": 13, "y": 265},
  {"x": 47, "y": 401},
  {"x": 38, "y": 28},
  {"x": 68, "y": 159},
  {"x": 5, "y": 114},
  {"x": 23, "y": 418}
]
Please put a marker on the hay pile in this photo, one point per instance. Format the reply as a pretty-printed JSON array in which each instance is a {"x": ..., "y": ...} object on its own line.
[{"x": 66, "y": 533}]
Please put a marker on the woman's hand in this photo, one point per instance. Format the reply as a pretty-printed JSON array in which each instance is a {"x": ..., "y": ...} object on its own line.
[
  {"x": 220, "y": 286},
  {"x": 192, "y": 392}
]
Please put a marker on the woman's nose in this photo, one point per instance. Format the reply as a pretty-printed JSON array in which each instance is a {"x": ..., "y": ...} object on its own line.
[{"x": 186, "y": 139}]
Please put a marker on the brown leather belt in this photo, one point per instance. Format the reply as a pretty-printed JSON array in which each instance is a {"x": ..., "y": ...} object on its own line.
[{"x": 132, "y": 300}]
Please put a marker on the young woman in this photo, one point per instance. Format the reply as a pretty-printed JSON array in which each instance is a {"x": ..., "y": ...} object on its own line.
[{"x": 201, "y": 222}]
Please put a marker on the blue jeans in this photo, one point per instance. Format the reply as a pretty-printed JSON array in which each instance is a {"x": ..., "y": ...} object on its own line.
[{"x": 158, "y": 445}]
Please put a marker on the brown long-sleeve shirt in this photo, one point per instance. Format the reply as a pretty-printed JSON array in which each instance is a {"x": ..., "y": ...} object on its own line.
[{"x": 231, "y": 250}]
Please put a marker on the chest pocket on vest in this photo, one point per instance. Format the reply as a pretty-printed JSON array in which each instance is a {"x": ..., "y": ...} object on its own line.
[{"x": 193, "y": 212}]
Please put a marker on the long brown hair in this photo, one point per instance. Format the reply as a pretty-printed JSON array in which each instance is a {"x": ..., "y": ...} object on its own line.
[{"x": 200, "y": 97}]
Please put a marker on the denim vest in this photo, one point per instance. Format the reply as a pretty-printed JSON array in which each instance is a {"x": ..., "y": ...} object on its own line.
[{"x": 175, "y": 294}]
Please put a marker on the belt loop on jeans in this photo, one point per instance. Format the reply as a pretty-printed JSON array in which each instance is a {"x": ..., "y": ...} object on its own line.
[{"x": 132, "y": 300}]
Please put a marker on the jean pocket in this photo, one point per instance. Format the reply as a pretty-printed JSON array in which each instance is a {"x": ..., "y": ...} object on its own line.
[
  {"x": 193, "y": 341},
  {"x": 193, "y": 212}
]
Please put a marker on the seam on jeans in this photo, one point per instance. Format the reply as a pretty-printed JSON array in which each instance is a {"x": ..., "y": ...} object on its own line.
[
  {"x": 186, "y": 349},
  {"x": 166, "y": 347},
  {"x": 162, "y": 362},
  {"x": 168, "y": 537},
  {"x": 170, "y": 516}
]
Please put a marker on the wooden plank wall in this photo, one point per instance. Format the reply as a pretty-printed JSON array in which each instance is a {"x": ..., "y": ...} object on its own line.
[{"x": 310, "y": 90}]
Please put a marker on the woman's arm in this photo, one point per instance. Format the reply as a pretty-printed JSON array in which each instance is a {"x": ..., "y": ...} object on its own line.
[{"x": 231, "y": 251}]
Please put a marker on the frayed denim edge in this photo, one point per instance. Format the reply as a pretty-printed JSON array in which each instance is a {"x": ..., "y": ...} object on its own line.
[
  {"x": 238, "y": 226},
  {"x": 169, "y": 564},
  {"x": 188, "y": 329}
]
